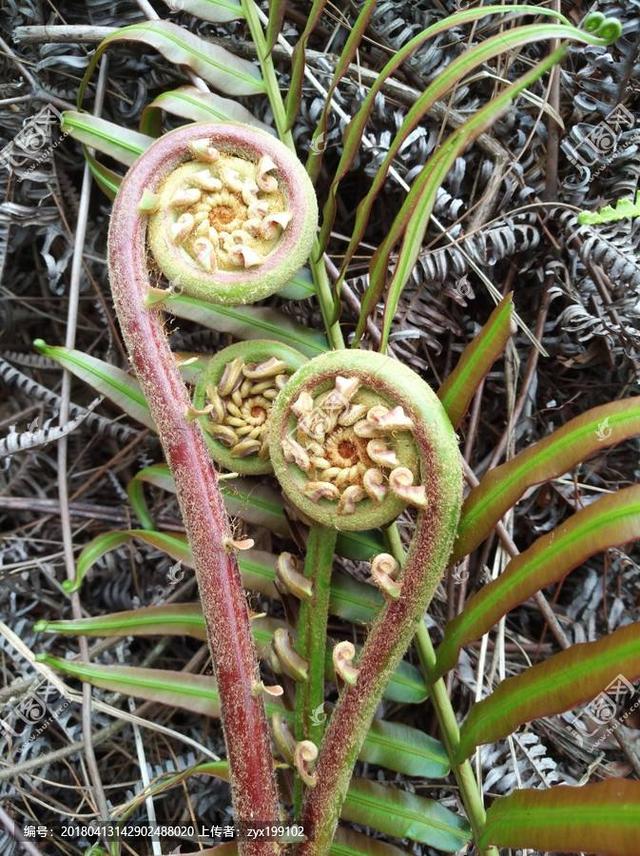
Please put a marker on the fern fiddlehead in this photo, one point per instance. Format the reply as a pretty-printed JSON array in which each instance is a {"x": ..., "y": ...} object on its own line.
[
  {"x": 234, "y": 397},
  {"x": 176, "y": 164},
  {"x": 355, "y": 438},
  {"x": 233, "y": 216}
]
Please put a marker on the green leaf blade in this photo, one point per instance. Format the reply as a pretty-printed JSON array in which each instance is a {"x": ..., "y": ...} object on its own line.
[
  {"x": 188, "y": 102},
  {"x": 398, "y": 748},
  {"x": 549, "y": 458},
  {"x": 355, "y": 129},
  {"x": 121, "y": 144},
  {"x": 248, "y": 322},
  {"x": 475, "y": 363},
  {"x": 404, "y": 815},
  {"x": 222, "y": 69},
  {"x": 602, "y": 817},
  {"x": 398, "y": 744},
  {"x": 609, "y": 522},
  {"x": 108, "y": 380},
  {"x": 217, "y": 11},
  {"x": 558, "y": 684}
]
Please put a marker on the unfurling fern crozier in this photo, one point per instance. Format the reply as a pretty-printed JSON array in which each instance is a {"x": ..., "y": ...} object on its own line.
[{"x": 232, "y": 215}]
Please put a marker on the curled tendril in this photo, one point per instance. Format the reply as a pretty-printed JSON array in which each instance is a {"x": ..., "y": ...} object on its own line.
[
  {"x": 291, "y": 663},
  {"x": 232, "y": 212},
  {"x": 304, "y": 756},
  {"x": 233, "y": 399},
  {"x": 342, "y": 657},
  {"x": 607, "y": 29},
  {"x": 384, "y": 573}
]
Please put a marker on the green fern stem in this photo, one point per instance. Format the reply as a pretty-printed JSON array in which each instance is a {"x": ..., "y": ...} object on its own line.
[
  {"x": 316, "y": 263},
  {"x": 311, "y": 642},
  {"x": 352, "y": 401},
  {"x": 469, "y": 789}
]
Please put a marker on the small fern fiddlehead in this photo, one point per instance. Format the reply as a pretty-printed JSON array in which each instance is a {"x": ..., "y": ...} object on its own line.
[
  {"x": 355, "y": 438},
  {"x": 234, "y": 396}
]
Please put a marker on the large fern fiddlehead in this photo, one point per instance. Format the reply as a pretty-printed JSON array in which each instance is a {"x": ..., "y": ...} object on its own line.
[
  {"x": 195, "y": 243},
  {"x": 355, "y": 438}
]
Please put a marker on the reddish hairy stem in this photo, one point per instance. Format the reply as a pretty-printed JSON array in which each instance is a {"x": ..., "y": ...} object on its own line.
[{"x": 224, "y": 605}]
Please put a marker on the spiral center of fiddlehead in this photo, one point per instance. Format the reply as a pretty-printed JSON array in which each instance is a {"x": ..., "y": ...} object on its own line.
[
  {"x": 234, "y": 398},
  {"x": 345, "y": 447},
  {"x": 241, "y": 402},
  {"x": 224, "y": 212},
  {"x": 349, "y": 449}
]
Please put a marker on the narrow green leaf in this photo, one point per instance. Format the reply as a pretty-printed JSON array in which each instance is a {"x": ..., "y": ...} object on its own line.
[
  {"x": 254, "y": 502},
  {"x": 611, "y": 521},
  {"x": 576, "y": 441},
  {"x": 218, "y": 11},
  {"x": 108, "y": 380},
  {"x": 397, "y": 748},
  {"x": 471, "y": 59},
  {"x": 406, "y": 685},
  {"x": 300, "y": 287},
  {"x": 348, "y": 842},
  {"x": 404, "y": 815},
  {"x": 158, "y": 475},
  {"x": 601, "y": 817},
  {"x": 256, "y": 566},
  {"x": 350, "y": 599},
  {"x": 360, "y": 546},
  {"x": 475, "y": 363},
  {"x": 185, "y": 619},
  {"x": 107, "y": 179},
  {"x": 553, "y": 686},
  {"x": 121, "y": 144},
  {"x": 422, "y": 755},
  {"x": 187, "y": 102},
  {"x": 276, "y": 17},
  {"x": 412, "y": 220},
  {"x": 356, "y": 127},
  {"x": 356, "y": 34},
  {"x": 248, "y": 322},
  {"x": 214, "y": 64},
  {"x": 298, "y": 60},
  {"x": 196, "y": 693},
  {"x": 173, "y": 619}
]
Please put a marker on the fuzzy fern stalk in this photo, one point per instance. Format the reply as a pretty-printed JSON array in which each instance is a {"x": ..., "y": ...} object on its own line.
[
  {"x": 231, "y": 217},
  {"x": 356, "y": 438}
]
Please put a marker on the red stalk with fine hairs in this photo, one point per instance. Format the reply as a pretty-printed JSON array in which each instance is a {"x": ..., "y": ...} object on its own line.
[{"x": 224, "y": 604}]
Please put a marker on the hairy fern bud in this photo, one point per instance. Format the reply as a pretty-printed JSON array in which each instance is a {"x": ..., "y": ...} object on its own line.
[
  {"x": 232, "y": 212},
  {"x": 234, "y": 396}
]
